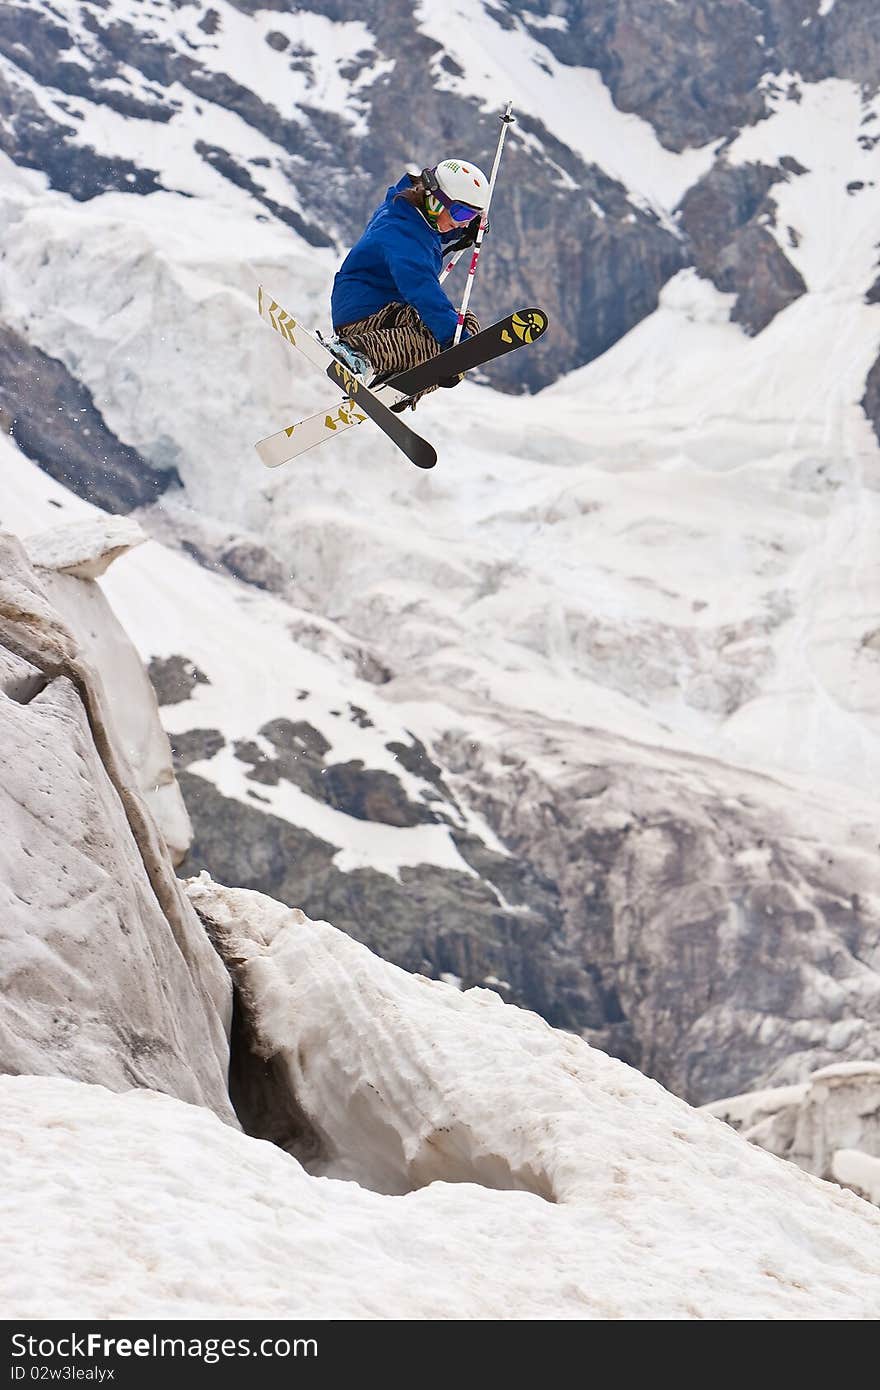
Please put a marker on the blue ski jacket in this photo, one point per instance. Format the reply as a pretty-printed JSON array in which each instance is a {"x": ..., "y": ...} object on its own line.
[{"x": 397, "y": 260}]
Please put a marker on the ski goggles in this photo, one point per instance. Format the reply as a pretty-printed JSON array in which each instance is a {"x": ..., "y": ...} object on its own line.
[{"x": 459, "y": 212}]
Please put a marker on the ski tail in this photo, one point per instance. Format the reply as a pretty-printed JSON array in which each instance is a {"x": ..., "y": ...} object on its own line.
[{"x": 358, "y": 394}]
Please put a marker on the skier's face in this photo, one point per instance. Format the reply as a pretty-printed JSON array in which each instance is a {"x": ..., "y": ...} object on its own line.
[{"x": 445, "y": 222}]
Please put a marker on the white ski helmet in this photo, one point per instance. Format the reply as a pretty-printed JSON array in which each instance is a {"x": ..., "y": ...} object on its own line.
[{"x": 462, "y": 182}]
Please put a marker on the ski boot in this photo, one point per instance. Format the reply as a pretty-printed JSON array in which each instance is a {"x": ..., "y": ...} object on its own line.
[{"x": 355, "y": 361}]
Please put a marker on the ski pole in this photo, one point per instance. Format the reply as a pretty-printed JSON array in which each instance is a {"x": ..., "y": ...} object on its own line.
[
  {"x": 450, "y": 265},
  {"x": 506, "y": 120}
]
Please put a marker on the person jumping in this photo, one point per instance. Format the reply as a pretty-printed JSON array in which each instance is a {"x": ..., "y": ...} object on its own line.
[{"x": 389, "y": 311}]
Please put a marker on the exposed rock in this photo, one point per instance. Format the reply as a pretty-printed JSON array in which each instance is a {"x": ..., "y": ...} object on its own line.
[
  {"x": 697, "y": 73},
  {"x": 210, "y": 22},
  {"x": 231, "y": 169},
  {"x": 256, "y": 565},
  {"x": 689, "y": 69},
  {"x": 174, "y": 678},
  {"x": 212, "y": 545},
  {"x": 196, "y": 746},
  {"x": 299, "y": 759},
  {"x": 432, "y": 920},
  {"x": 871, "y": 400},
  {"x": 693, "y": 68},
  {"x": 415, "y": 758},
  {"x": 371, "y": 794},
  {"x": 725, "y": 217},
  {"x": 56, "y": 423},
  {"x": 762, "y": 277},
  {"x": 37, "y": 142},
  {"x": 365, "y": 793},
  {"x": 613, "y": 263},
  {"x": 727, "y": 949}
]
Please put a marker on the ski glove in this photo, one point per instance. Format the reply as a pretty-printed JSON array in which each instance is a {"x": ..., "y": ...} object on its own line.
[{"x": 468, "y": 236}]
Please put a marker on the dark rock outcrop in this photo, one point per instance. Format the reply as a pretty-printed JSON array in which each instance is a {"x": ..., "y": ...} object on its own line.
[
  {"x": 727, "y": 217},
  {"x": 870, "y": 402},
  {"x": 195, "y": 746},
  {"x": 431, "y": 920},
  {"x": 174, "y": 678},
  {"x": 54, "y": 420}
]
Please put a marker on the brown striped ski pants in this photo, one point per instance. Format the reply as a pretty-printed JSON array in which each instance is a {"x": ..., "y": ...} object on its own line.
[{"x": 395, "y": 339}]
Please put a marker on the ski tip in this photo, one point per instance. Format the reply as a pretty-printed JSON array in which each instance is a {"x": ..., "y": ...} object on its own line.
[{"x": 529, "y": 324}]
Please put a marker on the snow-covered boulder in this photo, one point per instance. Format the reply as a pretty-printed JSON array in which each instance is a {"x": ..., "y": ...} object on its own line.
[
  {"x": 105, "y": 972},
  {"x": 829, "y": 1125}
]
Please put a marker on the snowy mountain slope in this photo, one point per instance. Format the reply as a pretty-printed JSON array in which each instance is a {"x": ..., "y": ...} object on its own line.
[
  {"x": 573, "y": 102},
  {"x": 231, "y": 634},
  {"x": 666, "y": 556},
  {"x": 574, "y": 858},
  {"x": 300, "y": 118},
  {"x": 443, "y": 1113},
  {"x": 571, "y": 1188}
]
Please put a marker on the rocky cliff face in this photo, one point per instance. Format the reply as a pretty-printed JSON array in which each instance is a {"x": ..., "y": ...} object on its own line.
[{"x": 55, "y": 421}]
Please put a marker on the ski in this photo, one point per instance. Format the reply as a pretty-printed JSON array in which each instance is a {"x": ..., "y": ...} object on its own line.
[
  {"x": 417, "y": 449},
  {"x": 289, "y": 443},
  {"x": 508, "y": 334},
  {"x": 360, "y": 400},
  {"x": 518, "y": 329}
]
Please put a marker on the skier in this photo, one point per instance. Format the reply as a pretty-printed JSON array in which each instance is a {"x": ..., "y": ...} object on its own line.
[{"x": 389, "y": 311}]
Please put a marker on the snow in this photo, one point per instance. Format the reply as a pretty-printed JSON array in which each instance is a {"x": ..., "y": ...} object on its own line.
[
  {"x": 172, "y": 606},
  {"x": 572, "y": 102},
  {"x": 138, "y": 733},
  {"x": 835, "y": 223},
  {"x": 859, "y": 1171},
  {"x": 106, "y": 972},
  {"x": 82, "y": 549},
  {"x": 749, "y": 1109},
  {"x": 672, "y": 551},
  {"x": 238, "y": 49},
  {"x": 573, "y": 1188},
  {"x": 365, "y": 844},
  {"x": 154, "y": 1197},
  {"x": 85, "y": 550},
  {"x": 674, "y": 543},
  {"x": 828, "y": 1124}
]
